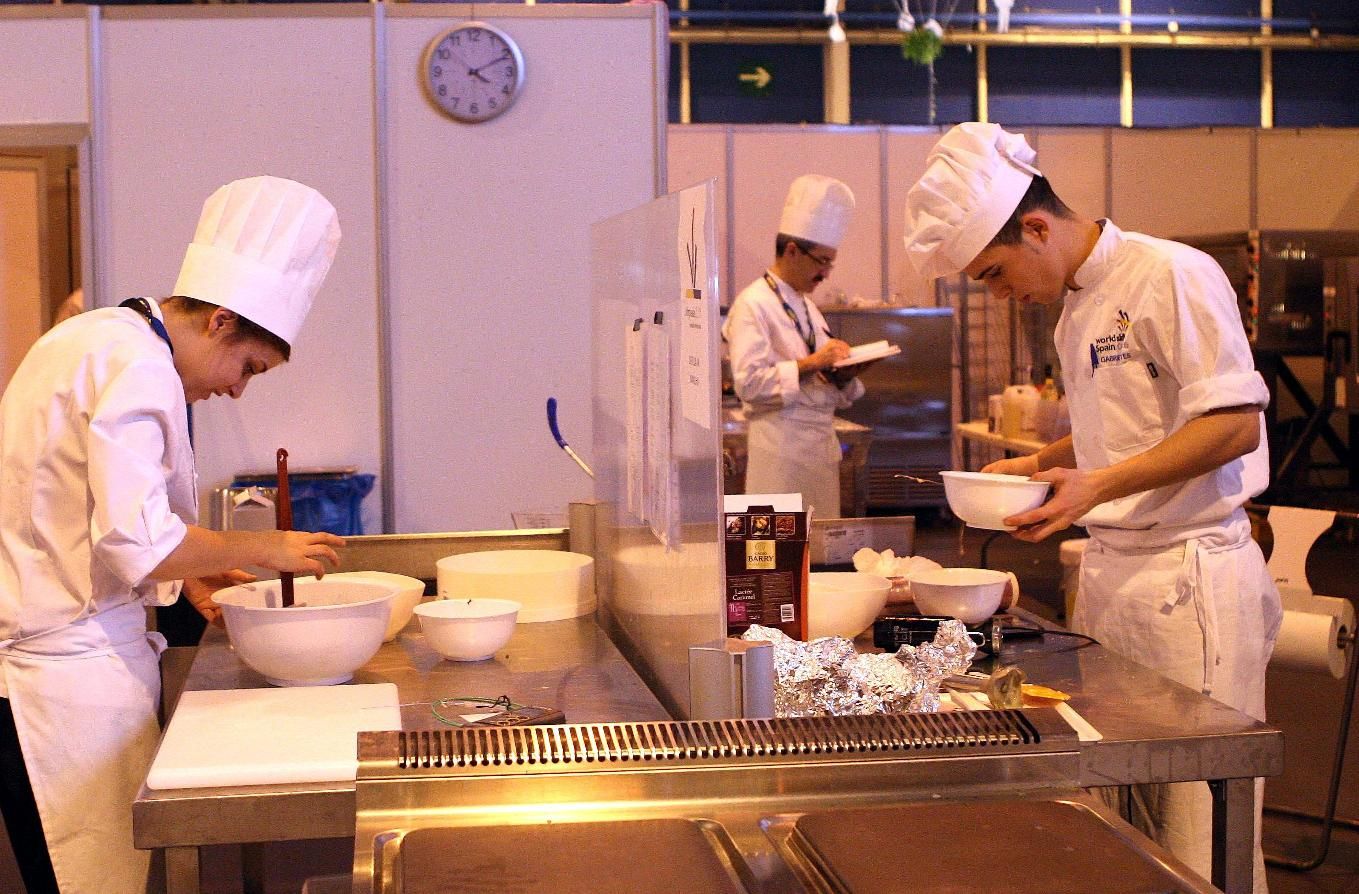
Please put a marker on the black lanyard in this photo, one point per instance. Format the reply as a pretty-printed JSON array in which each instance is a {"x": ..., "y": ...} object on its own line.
[
  {"x": 809, "y": 339},
  {"x": 143, "y": 307}
]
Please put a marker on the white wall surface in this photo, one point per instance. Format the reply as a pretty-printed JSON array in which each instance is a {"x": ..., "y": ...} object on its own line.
[
  {"x": 490, "y": 257},
  {"x": 484, "y": 229},
  {"x": 1309, "y": 180},
  {"x": 765, "y": 161},
  {"x": 194, "y": 101},
  {"x": 44, "y": 73}
]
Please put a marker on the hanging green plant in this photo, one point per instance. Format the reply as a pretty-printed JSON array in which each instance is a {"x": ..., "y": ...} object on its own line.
[{"x": 922, "y": 45}]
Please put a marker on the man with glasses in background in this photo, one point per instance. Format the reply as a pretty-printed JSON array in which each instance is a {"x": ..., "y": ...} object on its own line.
[{"x": 783, "y": 357}]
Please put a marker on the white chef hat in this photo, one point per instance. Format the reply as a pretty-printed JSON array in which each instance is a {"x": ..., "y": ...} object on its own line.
[
  {"x": 817, "y": 209},
  {"x": 975, "y": 177},
  {"x": 262, "y": 248}
]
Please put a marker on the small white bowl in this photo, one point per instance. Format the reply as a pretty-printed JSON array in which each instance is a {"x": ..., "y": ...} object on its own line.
[
  {"x": 985, "y": 499},
  {"x": 332, "y": 630},
  {"x": 969, "y": 594},
  {"x": 467, "y": 629},
  {"x": 843, "y": 603},
  {"x": 409, "y": 591}
]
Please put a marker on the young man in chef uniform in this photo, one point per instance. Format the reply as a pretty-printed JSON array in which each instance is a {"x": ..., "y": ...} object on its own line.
[
  {"x": 782, "y": 354},
  {"x": 1167, "y": 435},
  {"x": 98, "y": 504}
]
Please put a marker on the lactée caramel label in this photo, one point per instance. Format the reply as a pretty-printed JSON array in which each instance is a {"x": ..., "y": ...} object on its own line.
[{"x": 759, "y": 555}]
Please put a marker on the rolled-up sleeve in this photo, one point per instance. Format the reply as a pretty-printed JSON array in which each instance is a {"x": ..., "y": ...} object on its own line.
[
  {"x": 1206, "y": 348},
  {"x": 132, "y": 529}
]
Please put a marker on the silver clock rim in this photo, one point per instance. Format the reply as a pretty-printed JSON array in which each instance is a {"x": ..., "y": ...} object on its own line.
[{"x": 434, "y": 44}]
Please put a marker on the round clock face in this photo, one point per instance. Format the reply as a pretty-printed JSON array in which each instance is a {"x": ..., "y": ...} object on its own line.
[{"x": 473, "y": 72}]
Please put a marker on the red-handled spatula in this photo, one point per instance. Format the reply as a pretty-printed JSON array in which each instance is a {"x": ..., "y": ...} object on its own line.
[{"x": 283, "y": 516}]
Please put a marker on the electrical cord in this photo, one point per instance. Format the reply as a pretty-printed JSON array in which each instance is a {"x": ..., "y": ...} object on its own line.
[{"x": 1040, "y": 631}]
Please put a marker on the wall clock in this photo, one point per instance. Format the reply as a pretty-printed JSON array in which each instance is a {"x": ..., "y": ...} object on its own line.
[{"x": 473, "y": 72}]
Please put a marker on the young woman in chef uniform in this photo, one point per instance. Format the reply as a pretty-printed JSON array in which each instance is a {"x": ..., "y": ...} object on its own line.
[
  {"x": 98, "y": 504},
  {"x": 783, "y": 356},
  {"x": 1167, "y": 435}
]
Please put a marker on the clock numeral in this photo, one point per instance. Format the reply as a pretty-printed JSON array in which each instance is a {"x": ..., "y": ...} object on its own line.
[
  {"x": 438, "y": 71},
  {"x": 509, "y": 71},
  {"x": 473, "y": 109},
  {"x": 474, "y": 36},
  {"x": 491, "y": 103},
  {"x": 456, "y": 100},
  {"x": 443, "y": 89},
  {"x": 444, "y": 53},
  {"x": 505, "y": 90},
  {"x": 455, "y": 39}
]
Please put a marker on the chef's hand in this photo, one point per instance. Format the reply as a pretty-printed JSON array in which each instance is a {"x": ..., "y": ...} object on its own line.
[
  {"x": 199, "y": 590},
  {"x": 304, "y": 552},
  {"x": 1074, "y": 493},
  {"x": 824, "y": 358},
  {"x": 1019, "y": 465}
]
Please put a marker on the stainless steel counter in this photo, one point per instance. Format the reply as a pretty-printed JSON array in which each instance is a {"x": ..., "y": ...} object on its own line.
[
  {"x": 1154, "y": 731},
  {"x": 571, "y": 665}
]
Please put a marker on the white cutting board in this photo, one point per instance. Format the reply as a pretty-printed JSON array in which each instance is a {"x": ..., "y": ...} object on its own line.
[{"x": 297, "y": 734}]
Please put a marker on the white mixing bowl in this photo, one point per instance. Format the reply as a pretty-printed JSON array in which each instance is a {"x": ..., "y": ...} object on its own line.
[
  {"x": 843, "y": 603},
  {"x": 985, "y": 499},
  {"x": 467, "y": 629},
  {"x": 969, "y": 594},
  {"x": 332, "y": 630},
  {"x": 549, "y": 584},
  {"x": 409, "y": 591}
]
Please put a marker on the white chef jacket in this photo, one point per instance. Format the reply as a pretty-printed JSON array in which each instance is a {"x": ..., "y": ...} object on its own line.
[
  {"x": 97, "y": 486},
  {"x": 1152, "y": 339},
  {"x": 792, "y": 447}
]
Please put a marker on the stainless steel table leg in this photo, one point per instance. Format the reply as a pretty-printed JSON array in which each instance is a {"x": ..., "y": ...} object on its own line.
[
  {"x": 181, "y": 870},
  {"x": 1233, "y": 834}
]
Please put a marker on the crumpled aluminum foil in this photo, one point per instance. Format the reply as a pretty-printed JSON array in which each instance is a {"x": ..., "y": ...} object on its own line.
[{"x": 828, "y": 676}]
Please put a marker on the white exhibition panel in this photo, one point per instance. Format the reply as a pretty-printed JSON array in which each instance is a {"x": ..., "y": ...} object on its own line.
[
  {"x": 44, "y": 77},
  {"x": 198, "y": 97},
  {"x": 765, "y": 161},
  {"x": 1182, "y": 182},
  {"x": 1076, "y": 164},
  {"x": 1308, "y": 179},
  {"x": 694, "y": 153},
  {"x": 905, "y": 160},
  {"x": 489, "y": 247}
]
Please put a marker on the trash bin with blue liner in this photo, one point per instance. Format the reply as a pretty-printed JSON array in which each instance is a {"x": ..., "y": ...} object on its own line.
[{"x": 323, "y": 500}]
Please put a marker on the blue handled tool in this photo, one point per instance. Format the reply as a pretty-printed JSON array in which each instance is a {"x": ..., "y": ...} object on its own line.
[{"x": 557, "y": 433}]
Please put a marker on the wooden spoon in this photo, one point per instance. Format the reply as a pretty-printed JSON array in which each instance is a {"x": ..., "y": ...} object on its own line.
[{"x": 283, "y": 515}]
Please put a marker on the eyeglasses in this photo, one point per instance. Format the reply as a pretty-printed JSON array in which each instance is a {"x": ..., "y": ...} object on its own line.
[{"x": 823, "y": 263}]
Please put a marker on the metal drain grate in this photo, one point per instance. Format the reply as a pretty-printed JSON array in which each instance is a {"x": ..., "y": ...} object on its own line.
[{"x": 703, "y": 740}]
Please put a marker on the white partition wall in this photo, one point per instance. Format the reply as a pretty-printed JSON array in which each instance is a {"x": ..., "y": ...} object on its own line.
[
  {"x": 44, "y": 78},
  {"x": 1181, "y": 183},
  {"x": 194, "y": 100},
  {"x": 489, "y": 250},
  {"x": 1308, "y": 180},
  {"x": 765, "y": 161}
]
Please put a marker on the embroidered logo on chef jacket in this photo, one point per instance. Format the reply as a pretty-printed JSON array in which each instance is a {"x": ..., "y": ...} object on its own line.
[{"x": 1112, "y": 349}]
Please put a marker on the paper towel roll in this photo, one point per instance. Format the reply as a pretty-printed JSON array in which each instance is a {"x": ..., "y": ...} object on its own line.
[{"x": 1311, "y": 641}]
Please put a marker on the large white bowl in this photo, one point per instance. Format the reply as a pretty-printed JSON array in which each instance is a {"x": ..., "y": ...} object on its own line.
[
  {"x": 467, "y": 629},
  {"x": 985, "y": 499},
  {"x": 969, "y": 594},
  {"x": 843, "y": 603},
  {"x": 332, "y": 631},
  {"x": 549, "y": 584},
  {"x": 409, "y": 591}
]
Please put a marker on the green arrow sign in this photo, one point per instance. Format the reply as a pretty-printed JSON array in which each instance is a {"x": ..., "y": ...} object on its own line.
[{"x": 756, "y": 78}]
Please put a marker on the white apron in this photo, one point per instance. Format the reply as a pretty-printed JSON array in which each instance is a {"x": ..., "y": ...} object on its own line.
[
  {"x": 84, "y": 698},
  {"x": 795, "y": 452},
  {"x": 1204, "y": 614}
]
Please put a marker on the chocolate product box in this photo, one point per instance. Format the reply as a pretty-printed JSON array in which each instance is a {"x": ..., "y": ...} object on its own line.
[{"x": 767, "y": 560}]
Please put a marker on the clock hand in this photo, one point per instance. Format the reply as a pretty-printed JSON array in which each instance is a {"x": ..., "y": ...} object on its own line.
[{"x": 477, "y": 71}]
